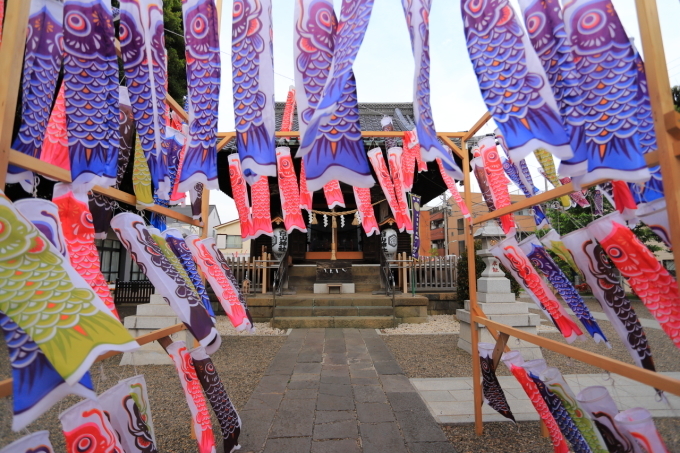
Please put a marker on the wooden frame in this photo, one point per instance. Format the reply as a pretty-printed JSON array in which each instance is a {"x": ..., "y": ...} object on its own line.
[{"x": 667, "y": 127}]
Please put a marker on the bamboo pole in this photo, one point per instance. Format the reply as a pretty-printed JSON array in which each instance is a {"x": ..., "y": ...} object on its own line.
[
  {"x": 472, "y": 285},
  {"x": 665, "y": 117},
  {"x": 11, "y": 56}
]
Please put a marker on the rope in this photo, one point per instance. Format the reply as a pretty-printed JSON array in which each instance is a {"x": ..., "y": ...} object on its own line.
[{"x": 337, "y": 213}]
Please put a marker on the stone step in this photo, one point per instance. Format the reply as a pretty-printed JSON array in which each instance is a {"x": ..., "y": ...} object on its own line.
[
  {"x": 287, "y": 312},
  {"x": 330, "y": 301},
  {"x": 358, "y": 322}
]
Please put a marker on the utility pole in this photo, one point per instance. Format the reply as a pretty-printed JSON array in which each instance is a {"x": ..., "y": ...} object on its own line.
[{"x": 446, "y": 225}]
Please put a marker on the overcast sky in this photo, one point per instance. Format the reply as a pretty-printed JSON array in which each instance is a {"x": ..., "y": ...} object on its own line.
[{"x": 384, "y": 67}]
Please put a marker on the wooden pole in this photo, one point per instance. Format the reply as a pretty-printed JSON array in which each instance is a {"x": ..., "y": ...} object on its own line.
[
  {"x": 472, "y": 286},
  {"x": 334, "y": 243},
  {"x": 11, "y": 56},
  {"x": 666, "y": 119}
]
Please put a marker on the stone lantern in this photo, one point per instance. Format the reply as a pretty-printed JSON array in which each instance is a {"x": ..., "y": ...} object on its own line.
[{"x": 496, "y": 299}]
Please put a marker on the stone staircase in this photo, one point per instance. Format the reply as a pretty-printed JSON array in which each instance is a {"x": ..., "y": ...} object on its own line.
[{"x": 366, "y": 278}]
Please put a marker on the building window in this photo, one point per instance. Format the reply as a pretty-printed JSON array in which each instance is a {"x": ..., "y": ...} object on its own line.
[
  {"x": 461, "y": 226},
  {"x": 109, "y": 258},
  {"x": 229, "y": 241},
  {"x": 135, "y": 273},
  {"x": 525, "y": 212},
  {"x": 670, "y": 266}
]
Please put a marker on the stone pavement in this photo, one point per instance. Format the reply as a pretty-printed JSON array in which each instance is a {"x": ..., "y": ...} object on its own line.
[
  {"x": 338, "y": 390},
  {"x": 450, "y": 400}
]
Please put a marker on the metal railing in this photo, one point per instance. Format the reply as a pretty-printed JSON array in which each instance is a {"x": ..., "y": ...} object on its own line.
[{"x": 387, "y": 276}]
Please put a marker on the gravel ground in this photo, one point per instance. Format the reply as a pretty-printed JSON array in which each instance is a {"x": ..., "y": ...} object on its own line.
[{"x": 241, "y": 362}]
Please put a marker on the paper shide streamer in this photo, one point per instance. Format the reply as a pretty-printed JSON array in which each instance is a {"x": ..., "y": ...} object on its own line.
[
  {"x": 417, "y": 14},
  {"x": 331, "y": 147},
  {"x": 91, "y": 115},
  {"x": 512, "y": 81},
  {"x": 42, "y": 62},
  {"x": 253, "y": 87}
]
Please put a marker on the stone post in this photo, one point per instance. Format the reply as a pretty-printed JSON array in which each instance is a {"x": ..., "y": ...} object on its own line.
[{"x": 496, "y": 300}]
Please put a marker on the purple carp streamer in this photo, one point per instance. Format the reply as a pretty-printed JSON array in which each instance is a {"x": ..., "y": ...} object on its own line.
[
  {"x": 142, "y": 43},
  {"x": 91, "y": 81},
  {"x": 42, "y": 61},
  {"x": 101, "y": 206},
  {"x": 609, "y": 146},
  {"x": 534, "y": 369},
  {"x": 493, "y": 393},
  {"x": 203, "y": 83},
  {"x": 230, "y": 422},
  {"x": 337, "y": 151},
  {"x": 348, "y": 36},
  {"x": 38, "y": 442},
  {"x": 544, "y": 263},
  {"x": 253, "y": 86},
  {"x": 417, "y": 14},
  {"x": 512, "y": 82},
  {"x": 604, "y": 283}
]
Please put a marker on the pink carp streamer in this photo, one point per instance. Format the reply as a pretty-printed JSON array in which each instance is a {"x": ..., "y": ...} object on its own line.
[
  {"x": 368, "y": 220},
  {"x": 498, "y": 182},
  {"x": 262, "y": 221},
  {"x": 477, "y": 165},
  {"x": 226, "y": 293},
  {"x": 394, "y": 159},
  {"x": 657, "y": 289},
  {"x": 240, "y": 193},
  {"x": 289, "y": 110},
  {"x": 193, "y": 392},
  {"x": 451, "y": 185},
  {"x": 333, "y": 194},
  {"x": 513, "y": 360},
  {"x": 517, "y": 263},
  {"x": 305, "y": 194},
  {"x": 75, "y": 216},
  {"x": 288, "y": 191},
  {"x": 378, "y": 162},
  {"x": 577, "y": 196},
  {"x": 412, "y": 148},
  {"x": 55, "y": 146},
  {"x": 623, "y": 198}
]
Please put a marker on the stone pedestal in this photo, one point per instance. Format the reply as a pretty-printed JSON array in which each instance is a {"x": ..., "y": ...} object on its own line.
[
  {"x": 155, "y": 315},
  {"x": 498, "y": 303}
]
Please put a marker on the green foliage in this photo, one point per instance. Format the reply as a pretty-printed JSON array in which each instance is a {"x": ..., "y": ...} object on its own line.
[
  {"x": 174, "y": 44},
  {"x": 676, "y": 97},
  {"x": 463, "y": 284},
  {"x": 576, "y": 217},
  {"x": 434, "y": 251}
]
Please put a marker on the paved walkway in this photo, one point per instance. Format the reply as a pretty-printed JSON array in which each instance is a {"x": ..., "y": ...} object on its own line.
[
  {"x": 450, "y": 400},
  {"x": 338, "y": 390}
]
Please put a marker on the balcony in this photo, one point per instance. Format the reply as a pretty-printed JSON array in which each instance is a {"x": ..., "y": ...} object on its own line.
[{"x": 437, "y": 234}]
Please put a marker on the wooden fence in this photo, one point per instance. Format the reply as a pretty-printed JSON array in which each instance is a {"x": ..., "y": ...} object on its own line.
[
  {"x": 258, "y": 270},
  {"x": 430, "y": 273},
  {"x": 133, "y": 292}
]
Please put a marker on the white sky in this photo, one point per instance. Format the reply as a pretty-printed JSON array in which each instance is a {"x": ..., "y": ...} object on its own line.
[{"x": 384, "y": 67}]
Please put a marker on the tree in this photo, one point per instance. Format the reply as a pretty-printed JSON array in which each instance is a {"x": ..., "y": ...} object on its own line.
[
  {"x": 566, "y": 221},
  {"x": 174, "y": 44},
  {"x": 676, "y": 97},
  {"x": 463, "y": 284}
]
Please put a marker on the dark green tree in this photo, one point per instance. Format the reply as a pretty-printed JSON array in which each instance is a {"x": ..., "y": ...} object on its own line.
[
  {"x": 463, "y": 285},
  {"x": 676, "y": 97},
  {"x": 174, "y": 44}
]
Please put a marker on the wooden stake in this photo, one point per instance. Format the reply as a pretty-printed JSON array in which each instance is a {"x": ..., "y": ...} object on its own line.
[{"x": 11, "y": 56}]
